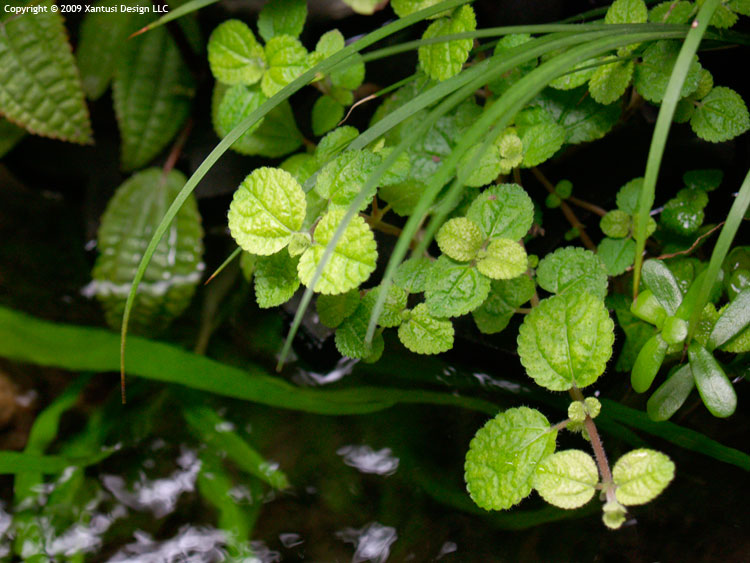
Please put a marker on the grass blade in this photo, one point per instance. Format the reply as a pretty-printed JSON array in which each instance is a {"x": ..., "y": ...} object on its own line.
[{"x": 185, "y": 9}]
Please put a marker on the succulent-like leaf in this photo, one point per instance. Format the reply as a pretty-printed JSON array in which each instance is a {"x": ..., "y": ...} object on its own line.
[
  {"x": 504, "y": 298},
  {"x": 662, "y": 283},
  {"x": 287, "y": 59},
  {"x": 636, "y": 332},
  {"x": 641, "y": 475},
  {"x": 152, "y": 90},
  {"x": 504, "y": 259},
  {"x": 235, "y": 56},
  {"x": 333, "y": 309},
  {"x": 326, "y": 114},
  {"x": 617, "y": 255},
  {"x": 454, "y": 289},
  {"x": 275, "y": 279},
  {"x": 652, "y": 75},
  {"x": 503, "y": 457},
  {"x": 353, "y": 258},
  {"x": 716, "y": 390},
  {"x": 266, "y": 209},
  {"x": 566, "y": 340},
  {"x": 503, "y": 211},
  {"x": 571, "y": 269},
  {"x": 172, "y": 275},
  {"x": 282, "y": 17},
  {"x": 720, "y": 116},
  {"x": 440, "y": 61},
  {"x": 39, "y": 85},
  {"x": 422, "y": 333},
  {"x": 648, "y": 363},
  {"x": 566, "y": 479},
  {"x": 671, "y": 394},
  {"x": 460, "y": 239}
]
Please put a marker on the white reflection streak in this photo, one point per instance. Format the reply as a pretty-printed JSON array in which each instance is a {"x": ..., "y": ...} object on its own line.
[
  {"x": 373, "y": 542},
  {"x": 367, "y": 460}
]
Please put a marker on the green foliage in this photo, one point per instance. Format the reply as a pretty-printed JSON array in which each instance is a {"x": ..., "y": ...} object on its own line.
[
  {"x": 641, "y": 476},
  {"x": 275, "y": 279},
  {"x": 652, "y": 75},
  {"x": 235, "y": 55},
  {"x": 282, "y": 17},
  {"x": 566, "y": 479},
  {"x": 440, "y": 61},
  {"x": 720, "y": 116},
  {"x": 39, "y": 85},
  {"x": 286, "y": 58},
  {"x": 501, "y": 304},
  {"x": 453, "y": 289},
  {"x": 502, "y": 211},
  {"x": 422, "y": 333},
  {"x": 572, "y": 270}
]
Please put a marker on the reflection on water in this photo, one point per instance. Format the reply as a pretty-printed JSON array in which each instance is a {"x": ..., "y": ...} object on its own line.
[
  {"x": 191, "y": 544},
  {"x": 5, "y": 522},
  {"x": 159, "y": 496},
  {"x": 448, "y": 547},
  {"x": 373, "y": 542},
  {"x": 367, "y": 460},
  {"x": 308, "y": 378}
]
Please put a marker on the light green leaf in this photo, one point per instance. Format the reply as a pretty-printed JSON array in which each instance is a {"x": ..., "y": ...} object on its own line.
[
  {"x": 583, "y": 118},
  {"x": 266, "y": 209},
  {"x": 454, "y": 289},
  {"x": 503, "y": 211},
  {"x": 350, "y": 74},
  {"x": 333, "y": 309},
  {"x": 422, "y": 333},
  {"x": 366, "y": 7},
  {"x": 277, "y": 134},
  {"x": 282, "y": 17},
  {"x": 617, "y": 255},
  {"x": 504, "y": 298},
  {"x": 739, "y": 6},
  {"x": 170, "y": 279},
  {"x": 570, "y": 270},
  {"x": 440, "y": 61},
  {"x": 609, "y": 82},
  {"x": 235, "y": 104},
  {"x": 341, "y": 180},
  {"x": 235, "y": 56},
  {"x": 329, "y": 43},
  {"x": 615, "y": 224},
  {"x": 574, "y": 77},
  {"x": 102, "y": 39},
  {"x": 405, "y": 8},
  {"x": 671, "y": 12},
  {"x": 705, "y": 85},
  {"x": 335, "y": 142},
  {"x": 566, "y": 340},
  {"x": 287, "y": 60},
  {"x": 541, "y": 142},
  {"x": 662, "y": 283},
  {"x": 350, "y": 336},
  {"x": 393, "y": 307},
  {"x": 715, "y": 389},
  {"x": 636, "y": 332},
  {"x": 627, "y": 11},
  {"x": 647, "y": 364},
  {"x": 152, "y": 90},
  {"x": 503, "y": 457},
  {"x": 566, "y": 479},
  {"x": 671, "y": 394},
  {"x": 504, "y": 259},
  {"x": 326, "y": 114},
  {"x": 652, "y": 74},
  {"x": 460, "y": 238},
  {"x": 247, "y": 265},
  {"x": 475, "y": 172},
  {"x": 720, "y": 116},
  {"x": 352, "y": 261},
  {"x": 683, "y": 213},
  {"x": 641, "y": 475},
  {"x": 412, "y": 274},
  {"x": 301, "y": 166},
  {"x": 39, "y": 85},
  {"x": 627, "y": 196},
  {"x": 275, "y": 279},
  {"x": 299, "y": 243}
]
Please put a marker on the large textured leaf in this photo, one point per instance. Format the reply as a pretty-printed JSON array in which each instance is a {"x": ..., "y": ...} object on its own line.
[
  {"x": 652, "y": 75},
  {"x": 103, "y": 37},
  {"x": 720, "y": 116},
  {"x": 571, "y": 269},
  {"x": 267, "y": 208},
  {"x": 442, "y": 60},
  {"x": 152, "y": 90},
  {"x": 287, "y": 59},
  {"x": 343, "y": 178},
  {"x": 39, "y": 84},
  {"x": 460, "y": 238},
  {"x": 566, "y": 340},
  {"x": 503, "y": 456},
  {"x": 170, "y": 279},
  {"x": 454, "y": 289},
  {"x": 235, "y": 55},
  {"x": 503, "y": 211},
  {"x": 353, "y": 258}
]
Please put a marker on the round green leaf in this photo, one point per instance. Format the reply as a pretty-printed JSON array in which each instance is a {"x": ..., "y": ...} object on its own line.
[
  {"x": 627, "y": 11},
  {"x": 236, "y": 103},
  {"x": 540, "y": 142},
  {"x": 504, "y": 259},
  {"x": 641, "y": 476},
  {"x": 412, "y": 274},
  {"x": 460, "y": 238},
  {"x": 671, "y": 12},
  {"x": 341, "y": 180},
  {"x": 566, "y": 479},
  {"x": 504, "y": 298},
  {"x": 503, "y": 457},
  {"x": 440, "y": 61},
  {"x": 652, "y": 75},
  {"x": 454, "y": 289},
  {"x": 609, "y": 82},
  {"x": 275, "y": 279},
  {"x": 282, "y": 17},
  {"x": 720, "y": 116},
  {"x": 422, "y": 333},
  {"x": 287, "y": 59},
  {"x": 683, "y": 214},
  {"x": 405, "y": 8},
  {"x": 615, "y": 224},
  {"x": 503, "y": 211},
  {"x": 352, "y": 261},
  {"x": 335, "y": 142},
  {"x": 617, "y": 255},
  {"x": 333, "y": 309},
  {"x": 566, "y": 340},
  {"x": 350, "y": 336},
  {"x": 571, "y": 269},
  {"x": 393, "y": 307},
  {"x": 627, "y": 196},
  {"x": 326, "y": 114},
  {"x": 266, "y": 209},
  {"x": 234, "y": 54}
]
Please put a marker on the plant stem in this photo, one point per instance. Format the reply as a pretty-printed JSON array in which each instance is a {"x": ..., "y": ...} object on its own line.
[
  {"x": 567, "y": 211},
  {"x": 587, "y": 206},
  {"x": 379, "y": 225},
  {"x": 596, "y": 444},
  {"x": 176, "y": 151}
]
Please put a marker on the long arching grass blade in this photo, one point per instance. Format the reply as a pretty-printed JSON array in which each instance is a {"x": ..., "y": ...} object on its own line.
[
  {"x": 185, "y": 9},
  {"x": 237, "y": 132},
  {"x": 661, "y": 131}
]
